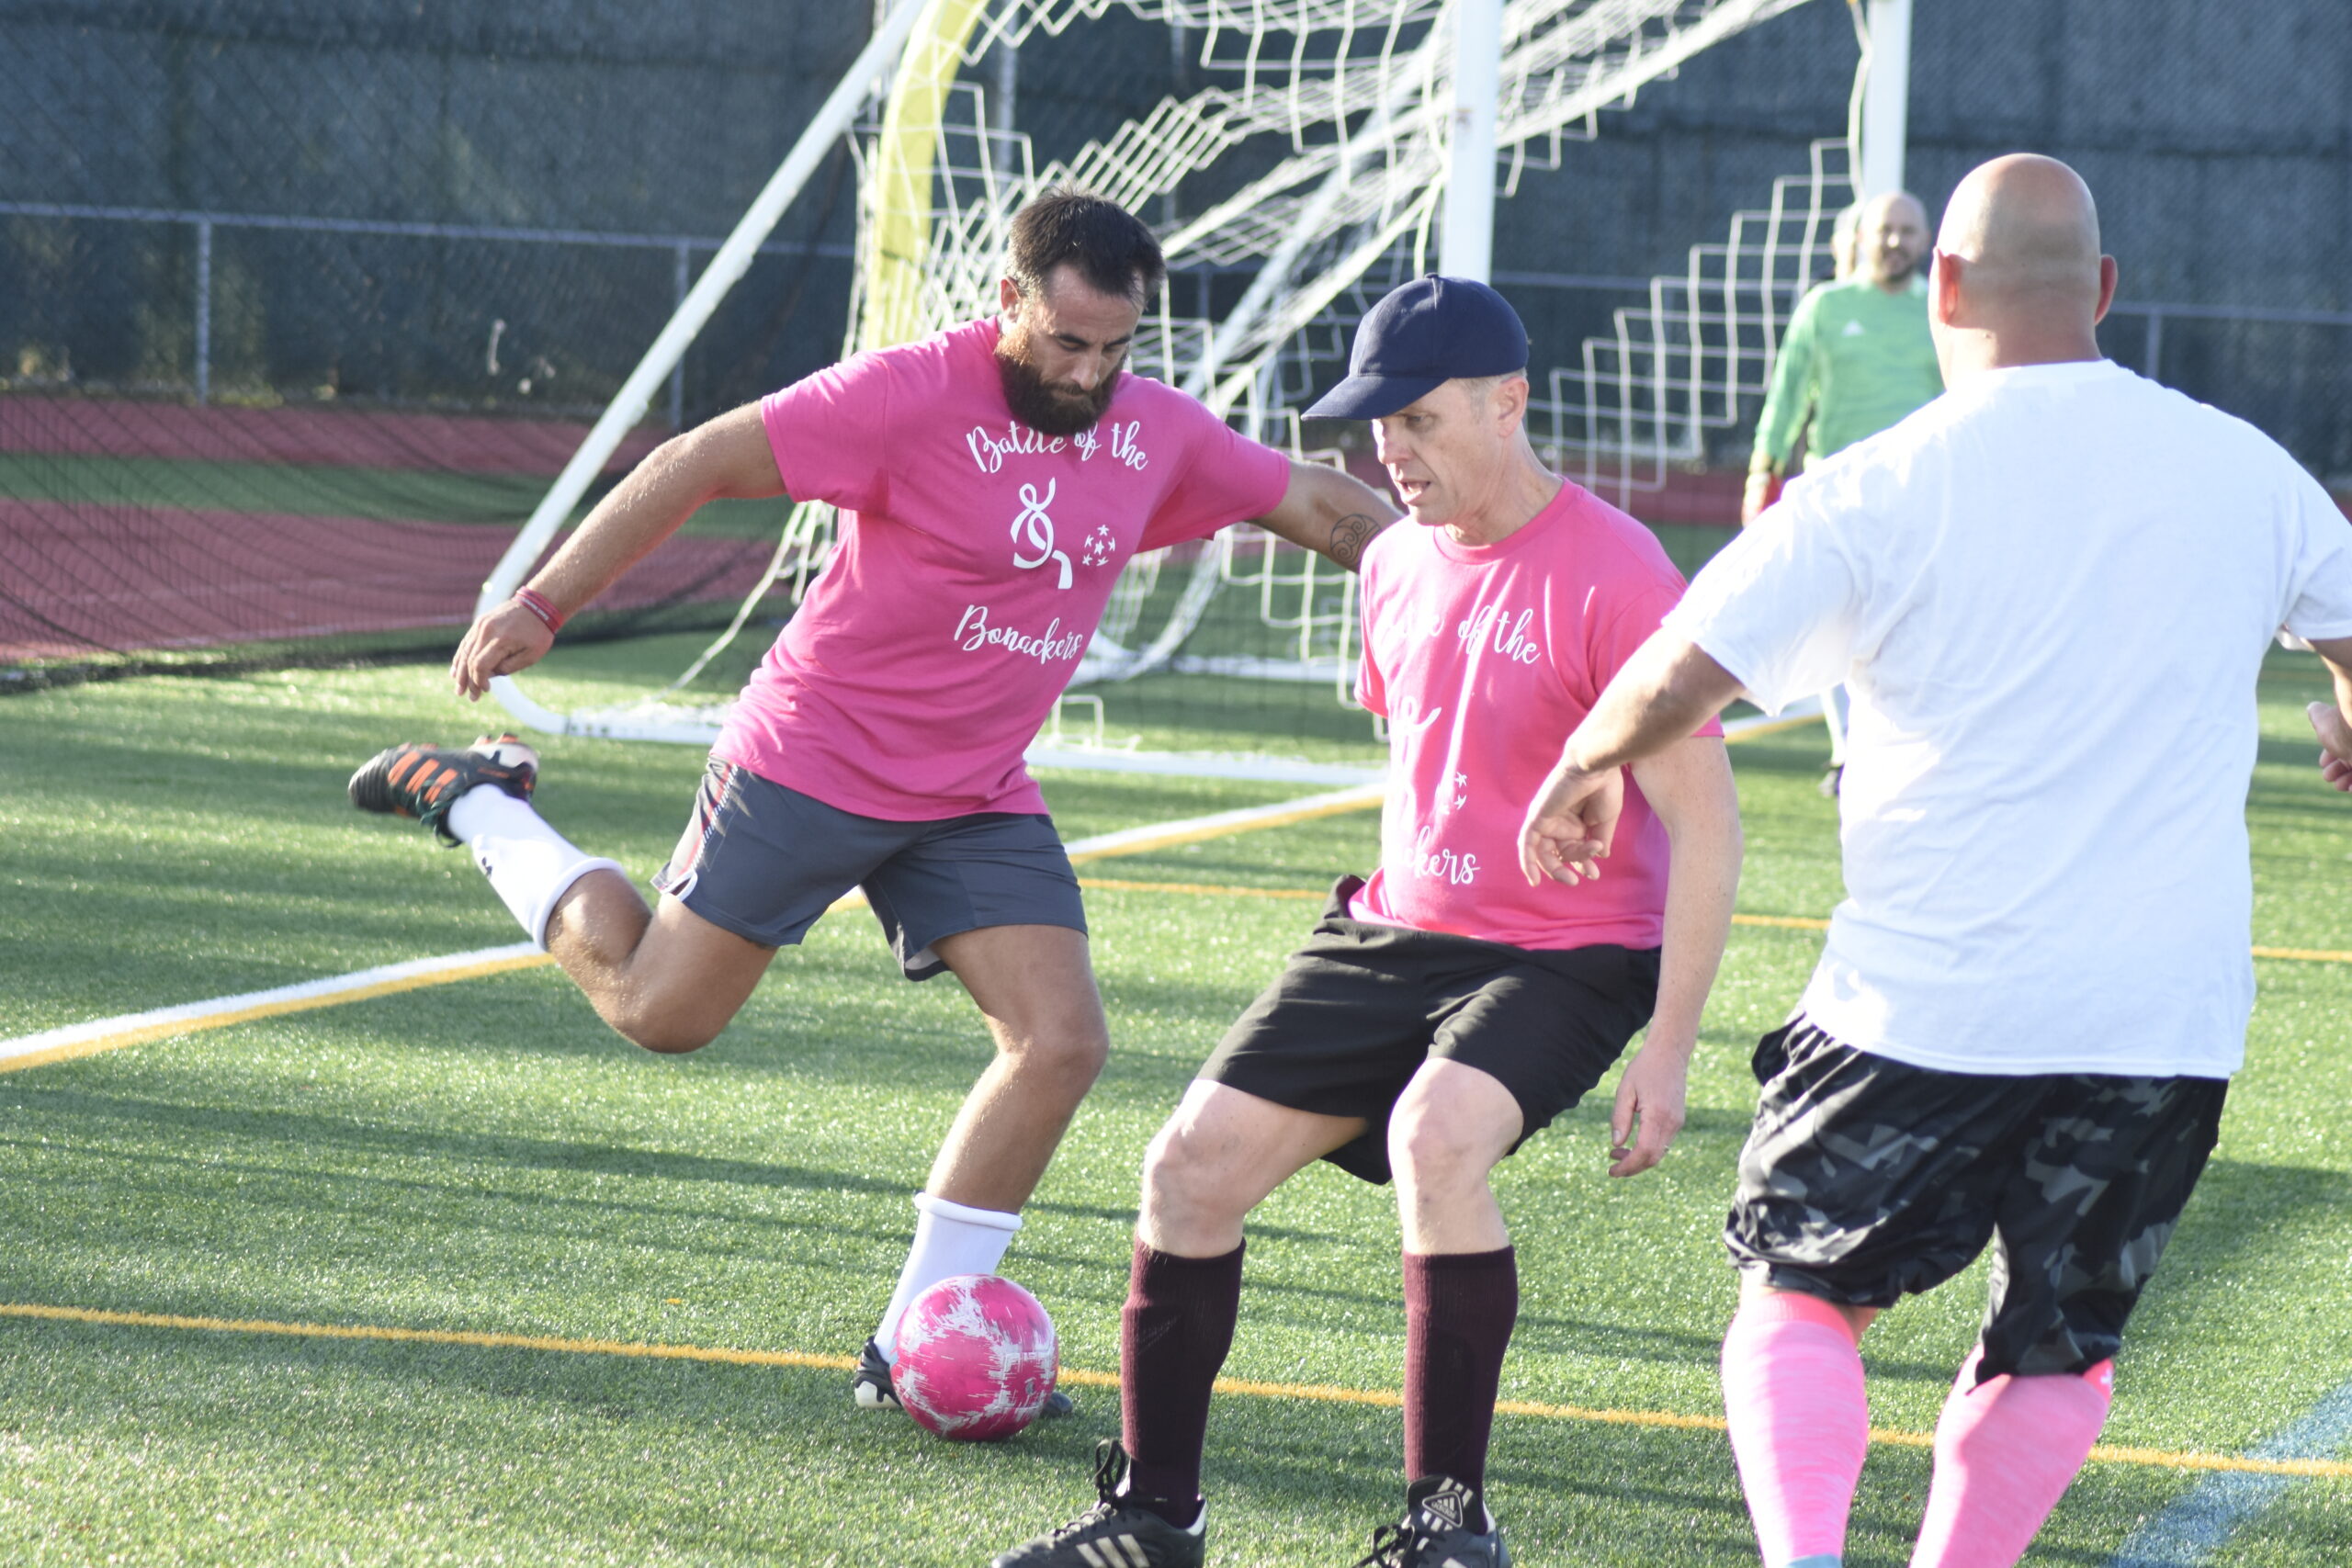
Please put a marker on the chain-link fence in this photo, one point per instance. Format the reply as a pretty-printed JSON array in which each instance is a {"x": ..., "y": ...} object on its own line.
[{"x": 300, "y": 306}]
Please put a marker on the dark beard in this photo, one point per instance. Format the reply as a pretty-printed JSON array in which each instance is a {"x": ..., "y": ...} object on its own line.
[
  {"x": 1044, "y": 408},
  {"x": 1909, "y": 271}
]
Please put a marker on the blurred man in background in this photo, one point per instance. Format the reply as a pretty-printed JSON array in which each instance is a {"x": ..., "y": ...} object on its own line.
[{"x": 1856, "y": 357}]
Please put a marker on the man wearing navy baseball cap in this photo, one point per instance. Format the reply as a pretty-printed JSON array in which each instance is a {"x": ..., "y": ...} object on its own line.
[{"x": 1442, "y": 1011}]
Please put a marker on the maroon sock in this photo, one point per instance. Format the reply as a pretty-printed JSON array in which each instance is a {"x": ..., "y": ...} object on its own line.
[
  {"x": 1459, "y": 1307},
  {"x": 1173, "y": 1336}
]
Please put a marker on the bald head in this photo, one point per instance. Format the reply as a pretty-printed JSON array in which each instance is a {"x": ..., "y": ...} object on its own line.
[
  {"x": 2028, "y": 228},
  {"x": 2023, "y": 269}
]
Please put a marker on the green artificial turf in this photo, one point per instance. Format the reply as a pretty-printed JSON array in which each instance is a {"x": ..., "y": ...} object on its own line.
[{"x": 485, "y": 1157}]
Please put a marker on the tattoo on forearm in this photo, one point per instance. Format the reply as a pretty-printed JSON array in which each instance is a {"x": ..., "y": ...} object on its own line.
[{"x": 1350, "y": 535}]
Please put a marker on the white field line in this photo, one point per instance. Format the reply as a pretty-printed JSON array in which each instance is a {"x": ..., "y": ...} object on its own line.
[
  {"x": 132, "y": 1029},
  {"x": 2193, "y": 1528}
]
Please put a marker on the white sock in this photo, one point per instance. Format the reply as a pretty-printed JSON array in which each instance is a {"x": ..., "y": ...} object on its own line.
[
  {"x": 950, "y": 1239},
  {"x": 530, "y": 865}
]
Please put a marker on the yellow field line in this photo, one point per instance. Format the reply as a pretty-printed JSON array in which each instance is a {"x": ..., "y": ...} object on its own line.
[
  {"x": 2303, "y": 955},
  {"x": 1783, "y": 922},
  {"x": 1242, "y": 1387},
  {"x": 1778, "y": 923},
  {"x": 37, "y": 1050}
]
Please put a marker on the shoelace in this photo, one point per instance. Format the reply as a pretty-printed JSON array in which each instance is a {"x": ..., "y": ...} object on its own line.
[
  {"x": 1110, "y": 1465},
  {"x": 1086, "y": 1521},
  {"x": 1388, "y": 1546}
]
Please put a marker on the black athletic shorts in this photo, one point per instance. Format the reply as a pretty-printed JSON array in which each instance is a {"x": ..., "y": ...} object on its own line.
[
  {"x": 763, "y": 861},
  {"x": 1867, "y": 1178},
  {"x": 1361, "y": 1006}
]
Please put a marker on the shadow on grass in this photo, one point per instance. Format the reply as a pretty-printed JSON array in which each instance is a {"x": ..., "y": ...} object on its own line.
[{"x": 206, "y": 1124}]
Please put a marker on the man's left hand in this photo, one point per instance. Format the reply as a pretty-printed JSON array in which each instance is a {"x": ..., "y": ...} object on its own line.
[
  {"x": 1570, "y": 823},
  {"x": 1650, "y": 1108},
  {"x": 2335, "y": 762}
]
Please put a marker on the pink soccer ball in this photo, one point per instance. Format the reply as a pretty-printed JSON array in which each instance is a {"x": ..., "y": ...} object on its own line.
[{"x": 977, "y": 1357}]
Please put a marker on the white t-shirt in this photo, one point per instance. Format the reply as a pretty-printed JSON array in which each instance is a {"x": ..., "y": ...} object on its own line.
[{"x": 2050, "y": 592}]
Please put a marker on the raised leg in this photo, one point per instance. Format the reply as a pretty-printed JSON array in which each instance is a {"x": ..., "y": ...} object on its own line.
[{"x": 665, "y": 978}]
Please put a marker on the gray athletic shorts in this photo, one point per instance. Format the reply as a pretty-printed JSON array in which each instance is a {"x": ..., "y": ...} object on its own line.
[{"x": 763, "y": 861}]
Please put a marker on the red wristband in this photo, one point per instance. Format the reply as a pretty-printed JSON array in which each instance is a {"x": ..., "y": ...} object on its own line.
[{"x": 538, "y": 606}]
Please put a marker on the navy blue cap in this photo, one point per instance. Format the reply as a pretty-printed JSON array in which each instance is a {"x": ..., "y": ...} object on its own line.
[{"x": 1424, "y": 334}]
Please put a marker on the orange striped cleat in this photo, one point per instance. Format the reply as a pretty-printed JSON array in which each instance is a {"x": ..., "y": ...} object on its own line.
[{"x": 424, "y": 781}]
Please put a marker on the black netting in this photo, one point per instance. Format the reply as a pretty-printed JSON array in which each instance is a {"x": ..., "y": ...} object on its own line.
[{"x": 302, "y": 304}]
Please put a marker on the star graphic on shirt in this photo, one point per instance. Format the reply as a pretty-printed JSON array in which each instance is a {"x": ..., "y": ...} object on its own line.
[
  {"x": 1461, "y": 790},
  {"x": 1099, "y": 544}
]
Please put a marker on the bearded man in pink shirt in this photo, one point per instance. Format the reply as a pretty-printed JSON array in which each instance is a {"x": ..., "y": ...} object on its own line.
[
  {"x": 1445, "y": 1010},
  {"x": 992, "y": 482}
]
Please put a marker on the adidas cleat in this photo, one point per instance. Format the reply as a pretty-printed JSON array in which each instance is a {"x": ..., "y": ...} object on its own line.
[
  {"x": 424, "y": 781},
  {"x": 1438, "y": 1531},
  {"x": 870, "y": 1386},
  {"x": 1114, "y": 1533}
]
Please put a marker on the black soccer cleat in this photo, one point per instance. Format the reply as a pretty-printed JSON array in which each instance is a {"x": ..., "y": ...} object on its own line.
[
  {"x": 1442, "y": 1528},
  {"x": 1114, "y": 1533},
  {"x": 870, "y": 1386},
  {"x": 424, "y": 781}
]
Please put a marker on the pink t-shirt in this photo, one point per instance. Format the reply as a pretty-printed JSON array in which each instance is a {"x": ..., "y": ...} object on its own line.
[
  {"x": 1483, "y": 658},
  {"x": 974, "y": 561}
]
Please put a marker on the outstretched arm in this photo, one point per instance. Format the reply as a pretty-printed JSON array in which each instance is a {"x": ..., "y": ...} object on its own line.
[
  {"x": 1787, "y": 404},
  {"x": 1333, "y": 514},
  {"x": 729, "y": 457},
  {"x": 2335, "y": 724},
  {"x": 1667, "y": 690},
  {"x": 1690, "y": 786}
]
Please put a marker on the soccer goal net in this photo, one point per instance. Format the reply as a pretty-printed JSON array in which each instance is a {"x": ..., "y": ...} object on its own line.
[
  {"x": 1295, "y": 179},
  {"x": 267, "y": 400}
]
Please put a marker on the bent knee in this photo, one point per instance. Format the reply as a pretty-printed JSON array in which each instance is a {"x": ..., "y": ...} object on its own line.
[
  {"x": 667, "y": 1032},
  {"x": 1430, "y": 1151},
  {"x": 1184, "y": 1182},
  {"x": 1067, "y": 1049}
]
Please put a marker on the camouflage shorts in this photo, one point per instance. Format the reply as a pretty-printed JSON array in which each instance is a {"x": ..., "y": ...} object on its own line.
[{"x": 1867, "y": 1178}]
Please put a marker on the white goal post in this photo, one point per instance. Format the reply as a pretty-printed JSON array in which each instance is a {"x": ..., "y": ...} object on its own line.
[{"x": 1381, "y": 133}]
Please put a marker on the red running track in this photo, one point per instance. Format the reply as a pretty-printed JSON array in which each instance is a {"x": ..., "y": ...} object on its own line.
[
  {"x": 77, "y": 577},
  {"x": 123, "y": 427}
]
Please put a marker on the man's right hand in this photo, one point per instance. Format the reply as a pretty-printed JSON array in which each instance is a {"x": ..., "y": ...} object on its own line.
[
  {"x": 507, "y": 639},
  {"x": 2336, "y": 736},
  {"x": 1763, "y": 489}
]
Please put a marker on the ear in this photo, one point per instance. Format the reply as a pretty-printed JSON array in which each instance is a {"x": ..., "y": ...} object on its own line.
[
  {"x": 2108, "y": 274},
  {"x": 1943, "y": 287},
  {"x": 1008, "y": 296},
  {"x": 1510, "y": 405}
]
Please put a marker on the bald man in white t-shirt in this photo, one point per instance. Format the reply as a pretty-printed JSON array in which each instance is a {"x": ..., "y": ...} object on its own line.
[{"x": 2051, "y": 592}]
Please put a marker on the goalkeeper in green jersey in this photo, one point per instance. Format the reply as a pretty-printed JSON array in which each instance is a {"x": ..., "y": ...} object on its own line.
[{"x": 1856, "y": 356}]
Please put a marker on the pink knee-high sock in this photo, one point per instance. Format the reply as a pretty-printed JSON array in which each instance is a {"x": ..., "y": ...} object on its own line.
[
  {"x": 2006, "y": 1449},
  {"x": 1799, "y": 1423}
]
